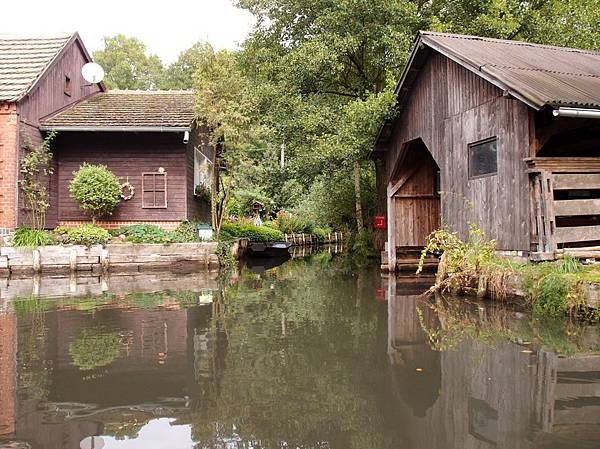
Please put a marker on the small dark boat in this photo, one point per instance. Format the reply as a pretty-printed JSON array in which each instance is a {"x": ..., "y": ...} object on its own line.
[{"x": 274, "y": 249}]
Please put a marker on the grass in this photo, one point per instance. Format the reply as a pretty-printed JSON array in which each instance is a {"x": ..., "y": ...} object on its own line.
[{"x": 473, "y": 266}]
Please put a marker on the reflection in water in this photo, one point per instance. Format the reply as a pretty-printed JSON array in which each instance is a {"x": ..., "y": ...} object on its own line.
[{"x": 315, "y": 353}]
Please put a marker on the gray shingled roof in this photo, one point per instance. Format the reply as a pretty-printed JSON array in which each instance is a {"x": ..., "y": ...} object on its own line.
[
  {"x": 539, "y": 75},
  {"x": 23, "y": 60},
  {"x": 126, "y": 109}
]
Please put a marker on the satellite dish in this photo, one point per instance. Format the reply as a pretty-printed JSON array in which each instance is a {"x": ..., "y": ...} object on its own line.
[{"x": 92, "y": 72}]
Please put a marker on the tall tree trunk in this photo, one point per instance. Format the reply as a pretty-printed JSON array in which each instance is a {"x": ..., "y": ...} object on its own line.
[
  {"x": 380, "y": 235},
  {"x": 360, "y": 225}
]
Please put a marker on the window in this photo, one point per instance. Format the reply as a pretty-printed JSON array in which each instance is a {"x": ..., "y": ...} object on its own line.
[
  {"x": 483, "y": 158},
  {"x": 154, "y": 190},
  {"x": 67, "y": 85},
  {"x": 201, "y": 169}
]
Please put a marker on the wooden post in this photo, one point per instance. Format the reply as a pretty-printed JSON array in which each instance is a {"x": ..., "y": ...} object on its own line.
[
  {"x": 548, "y": 209},
  {"x": 73, "y": 260},
  {"x": 37, "y": 261},
  {"x": 391, "y": 225}
]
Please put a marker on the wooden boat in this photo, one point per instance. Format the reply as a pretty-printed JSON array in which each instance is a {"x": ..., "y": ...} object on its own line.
[{"x": 273, "y": 249}]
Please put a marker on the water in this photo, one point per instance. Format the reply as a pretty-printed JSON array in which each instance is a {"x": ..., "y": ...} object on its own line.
[{"x": 316, "y": 353}]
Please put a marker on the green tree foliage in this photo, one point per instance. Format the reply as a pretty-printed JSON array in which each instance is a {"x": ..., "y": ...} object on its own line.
[
  {"x": 96, "y": 189},
  {"x": 127, "y": 65}
]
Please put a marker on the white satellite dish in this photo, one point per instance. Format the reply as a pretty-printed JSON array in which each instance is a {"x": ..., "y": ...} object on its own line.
[{"x": 92, "y": 72}]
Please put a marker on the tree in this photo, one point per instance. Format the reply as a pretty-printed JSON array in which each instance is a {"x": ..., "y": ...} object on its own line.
[
  {"x": 96, "y": 189},
  {"x": 180, "y": 74},
  {"x": 127, "y": 65}
]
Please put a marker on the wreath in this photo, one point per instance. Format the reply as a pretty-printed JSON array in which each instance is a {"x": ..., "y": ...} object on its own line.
[{"x": 126, "y": 186}]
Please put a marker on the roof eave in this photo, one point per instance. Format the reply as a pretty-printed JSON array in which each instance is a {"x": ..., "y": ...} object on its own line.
[{"x": 138, "y": 129}]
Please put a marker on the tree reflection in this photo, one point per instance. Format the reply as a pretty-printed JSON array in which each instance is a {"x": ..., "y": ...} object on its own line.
[{"x": 290, "y": 375}]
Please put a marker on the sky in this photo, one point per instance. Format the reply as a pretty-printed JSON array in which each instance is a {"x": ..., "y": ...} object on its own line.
[{"x": 167, "y": 27}]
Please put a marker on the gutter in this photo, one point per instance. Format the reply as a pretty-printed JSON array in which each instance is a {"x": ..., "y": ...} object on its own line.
[
  {"x": 139, "y": 129},
  {"x": 576, "y": 113}
]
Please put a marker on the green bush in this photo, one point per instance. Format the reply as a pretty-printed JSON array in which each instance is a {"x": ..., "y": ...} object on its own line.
[
  {"x": 26, "y": 237},
  {"x": 187, "y": 231},
  {"x": 293, "y": 224},
  {"x": 251, "y": 232},
  {"x": 321, "y": 233},
  {"x": 145, "y": 233},
  {"x": 86, "y": 234},
  {"x": 96, "y": 189}
]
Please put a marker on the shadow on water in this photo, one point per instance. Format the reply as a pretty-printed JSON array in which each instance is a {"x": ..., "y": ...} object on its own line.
[{"x": 315, "y": 353}]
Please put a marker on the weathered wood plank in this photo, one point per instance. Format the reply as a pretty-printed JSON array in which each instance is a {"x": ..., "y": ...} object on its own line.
[
  {"x": 576, "y": 181},
  {"x": 568, "y": 208},
  {"x": 577, "y": 234}
]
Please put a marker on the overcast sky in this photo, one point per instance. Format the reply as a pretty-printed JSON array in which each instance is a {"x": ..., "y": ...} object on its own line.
[{"x": 166, "y": 27}]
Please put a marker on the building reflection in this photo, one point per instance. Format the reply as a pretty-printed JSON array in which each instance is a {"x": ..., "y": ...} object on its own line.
[
  {"x": 7, "y": 373},
  {"x": 107, "y": 370},
  {"x": 483, "y": 392}
]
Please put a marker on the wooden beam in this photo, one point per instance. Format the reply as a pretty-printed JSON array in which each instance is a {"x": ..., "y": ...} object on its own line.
[
  {"x": 577, "y": 181},
  {"x": 391, "y": 227},
  {"x": 577, "y": 234},
  {"x": 405, "y": 177},
  {"x": 571, "y": 208}
]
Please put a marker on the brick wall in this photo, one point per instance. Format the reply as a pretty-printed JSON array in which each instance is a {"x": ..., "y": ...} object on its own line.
[
  {"x": 107, "y": 224},
  {"x": 8, "y": 165}
]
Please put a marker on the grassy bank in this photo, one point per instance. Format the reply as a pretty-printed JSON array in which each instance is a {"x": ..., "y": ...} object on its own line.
[{"x": 474, "y": 267}]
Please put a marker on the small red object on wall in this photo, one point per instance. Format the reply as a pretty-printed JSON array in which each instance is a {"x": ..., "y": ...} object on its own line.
[{"x": 378, "y": 222}]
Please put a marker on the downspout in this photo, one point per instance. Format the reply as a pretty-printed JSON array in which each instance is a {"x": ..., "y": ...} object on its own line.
[{"x": 577, "y": 113}]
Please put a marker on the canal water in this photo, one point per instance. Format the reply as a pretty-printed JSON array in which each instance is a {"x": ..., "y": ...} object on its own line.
[{"x": 317, "y": 353}]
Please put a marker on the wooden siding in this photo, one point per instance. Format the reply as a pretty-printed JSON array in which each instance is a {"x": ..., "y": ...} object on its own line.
[
  {"x": 128, "y": 155},
  {"x": 197, "y": 209},
  {"x": 47, "y": 98},
  {"x": 417, "y": 208},
  {"x": 448, "y": 108}
]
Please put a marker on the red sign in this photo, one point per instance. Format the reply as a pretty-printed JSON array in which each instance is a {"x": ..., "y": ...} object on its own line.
[{"x": 378, "y": 222}]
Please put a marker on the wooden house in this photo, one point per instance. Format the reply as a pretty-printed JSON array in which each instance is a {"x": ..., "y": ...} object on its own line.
[
  {"x": 149, "y": 139},
  {"x": 500, "y": 134}
]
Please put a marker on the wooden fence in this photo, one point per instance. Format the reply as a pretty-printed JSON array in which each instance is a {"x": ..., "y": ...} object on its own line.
[
  {"x": 557, "y": 187},
  {"x": 115, "y": 257},
  {"x": 309, "y": 239}
]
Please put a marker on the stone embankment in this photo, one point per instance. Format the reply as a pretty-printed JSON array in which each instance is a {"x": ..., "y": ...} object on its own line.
[{"x": 128, "y": 257}]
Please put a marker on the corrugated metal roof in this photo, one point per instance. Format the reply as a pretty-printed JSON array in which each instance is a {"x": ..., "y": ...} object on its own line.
[
  {"x": 23, "y": 60},
  {"x": 127, "y": 109},
  {"x": 537, "y": 74}
]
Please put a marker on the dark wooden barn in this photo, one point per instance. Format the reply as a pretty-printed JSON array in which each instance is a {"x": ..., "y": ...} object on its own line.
[
  {"x": 38, "y": 76},
  {"x": 500, "y": 134},
  {"x": 150, "y": 140}
]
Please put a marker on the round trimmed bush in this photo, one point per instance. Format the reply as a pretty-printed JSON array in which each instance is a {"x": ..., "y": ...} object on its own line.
[{"x": 96, "y": 189}]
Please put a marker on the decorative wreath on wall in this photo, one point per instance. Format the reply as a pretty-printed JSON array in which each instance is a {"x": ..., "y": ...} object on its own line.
[{"x": 127, "y": 191}]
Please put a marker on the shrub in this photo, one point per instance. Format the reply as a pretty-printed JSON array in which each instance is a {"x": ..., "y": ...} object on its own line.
[
  {"x": 251, "y": 232},
  {"x": 145, "y": 233},
  {"x": 26, "y": 237},
  {"x": 86, "y": 234},
  {"x": 321, "y": 233},
  {"x": 96, "y": 189},
  {"x": 187, "y": 231},
  {"x": 292, "y": 224}
]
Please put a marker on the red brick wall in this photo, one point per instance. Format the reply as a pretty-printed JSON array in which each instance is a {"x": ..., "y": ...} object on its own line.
[
  {"x": 8, "y": 164},
  {"x": 106, "y": 224}
]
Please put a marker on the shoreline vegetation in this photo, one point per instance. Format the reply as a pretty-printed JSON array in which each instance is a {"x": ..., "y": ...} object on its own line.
[{"x": 566, "y": 287}]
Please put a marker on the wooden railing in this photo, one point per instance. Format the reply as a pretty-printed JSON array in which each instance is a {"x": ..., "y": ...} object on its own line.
[{"x": 551, "y": 175}]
